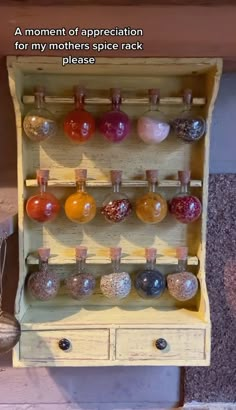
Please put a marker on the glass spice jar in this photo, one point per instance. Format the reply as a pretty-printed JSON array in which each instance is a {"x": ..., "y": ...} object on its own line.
[
  {"x": 152, "y": 126},
  {"x": 81, "y": 284},
  {"x": 115, "y": 125},
  {"x": 80, "y": 207},
  {"x": 116, "y": 207},
  {"x": 43, "y": 207},
  {"x": 79, "y": 124},
  {"x": 187, "y": 126},
  {"x": 116, "y": 285},
  {"x": 151, "y": 208},
  {"x": 186, "y": 208},
  {"x": 150, "y": 282},
  {"x": 182, "y": 285},
  {"x": 44, "y": 284},
  {"x": 39, "y": 123}
]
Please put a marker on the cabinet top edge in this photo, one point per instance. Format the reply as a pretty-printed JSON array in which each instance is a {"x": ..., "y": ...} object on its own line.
[{"x": 199, "y": 61}]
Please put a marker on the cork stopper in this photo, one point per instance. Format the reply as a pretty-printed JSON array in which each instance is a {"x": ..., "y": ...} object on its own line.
[
  {"x": 115, "y": 253},
  {"x": 152, "y": 175},
  {"x": 79, "y": 91},
  {"x": 80, "y": 174},
  {"x": 188, "y": 96},
  {"x": 42, "y": 176},
  {"x": 44, "y": 253},
  {"x": 39, "y": 91},
  {"x": 81, "y": 252},
  {"x": 151, "y": 254},
  {"x": 184, "y": 176},
  {"x": 42, "y": 173},
  {"x": 154, "y": 95},
  {"x": 116, "y": 96},
  {"x": 116, "y": 176},
  {"x": 182, "y": 253}
]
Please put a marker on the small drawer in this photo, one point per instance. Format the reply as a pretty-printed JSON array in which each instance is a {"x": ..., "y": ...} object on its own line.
[
  {"x": 65, "y": 345},
  {"x": 160, "y": 344}
]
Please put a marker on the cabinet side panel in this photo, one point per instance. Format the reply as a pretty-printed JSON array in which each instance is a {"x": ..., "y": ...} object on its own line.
[
  {"x": 15, "y": 78},
  {"x": 212, "y": 88}
]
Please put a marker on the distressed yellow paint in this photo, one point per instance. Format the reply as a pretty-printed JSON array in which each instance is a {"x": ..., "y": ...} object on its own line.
[{"x": 102, "y": 332}]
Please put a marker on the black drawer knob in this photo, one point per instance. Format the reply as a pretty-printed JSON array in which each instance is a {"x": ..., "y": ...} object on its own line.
[
  {"x": 64, "y": 344},
  {"x": 161, "y": 344}
]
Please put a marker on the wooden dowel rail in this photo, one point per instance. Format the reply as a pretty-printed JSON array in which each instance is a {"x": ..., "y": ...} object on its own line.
[
  {"x": 61, "y": 259},
  {"x": 29, "y": 99},
  {"x": 31, "y": 183}
]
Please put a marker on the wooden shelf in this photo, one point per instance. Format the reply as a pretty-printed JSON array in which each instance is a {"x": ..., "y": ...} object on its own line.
[
  {"x": 31, "y": 183},
  {"x": 64, "y": 260},
  {"x": 65, "y": 317},
  {"x": 29, "y": 99}
]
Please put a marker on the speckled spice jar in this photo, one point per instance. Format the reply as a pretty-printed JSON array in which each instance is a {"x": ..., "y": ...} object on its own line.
[
  {"x": 117, "y": 211},
  {"x": 116, "y": 285},
  {"x": 185, "y": 209},
  {"x": 217, "y": 382},
  {"x": 189, "y": 129},
  {"x": 81, "y": 286},
  {"x": 44, "y": 285},
  {"x": 182, "y": 286}
]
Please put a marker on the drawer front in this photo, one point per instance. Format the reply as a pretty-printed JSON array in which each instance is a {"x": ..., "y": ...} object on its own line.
[
  {"x": 148, "y": 344},
  {"x": 83, "y": 345}
]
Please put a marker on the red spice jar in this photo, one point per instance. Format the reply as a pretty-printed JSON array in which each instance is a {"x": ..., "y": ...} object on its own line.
[
  {"x": 43, "y": 207},
  {"x": 116, "y": 206},
  {"x": 115, "y": 125},
  {"x": 185, "y": 207},
  {"x": 79, "y": 124}
]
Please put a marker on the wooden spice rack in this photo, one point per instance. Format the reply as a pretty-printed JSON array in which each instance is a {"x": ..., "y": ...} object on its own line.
[{"x": 102, "y": 332}]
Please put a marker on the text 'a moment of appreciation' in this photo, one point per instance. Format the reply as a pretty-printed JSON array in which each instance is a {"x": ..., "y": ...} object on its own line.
[{"x": 78, "y": 39}]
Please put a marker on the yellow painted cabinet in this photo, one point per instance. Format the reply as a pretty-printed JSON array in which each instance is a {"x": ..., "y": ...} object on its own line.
[{"x": 100, "y": 331}]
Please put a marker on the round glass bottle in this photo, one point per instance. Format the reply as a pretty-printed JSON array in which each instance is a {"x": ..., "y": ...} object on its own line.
[
  {"x": 44, "y": 284},
  {"x": 81, "y": 284},
  {"x": 186, "y": 208},
  {"x": 39, "y": 123},
  {"x": 43, "y": 207},
  {"x": 79, "y": 124},
  {"x": 115, "y": 125},
  {"x": 116, "y": 285},
  {"x": 80, "y": 207},
  {"x": 187, "y": 126},
  {"x": 182, "y": 285},
  {"x": 151, "y": 208},
  {"x": 152, "y": 126},
  {"x": 116, "y": 206},
  {"x": 150, "y": 282}
]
